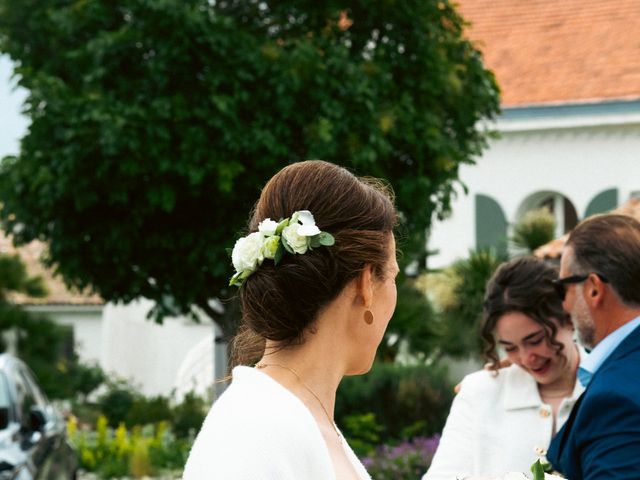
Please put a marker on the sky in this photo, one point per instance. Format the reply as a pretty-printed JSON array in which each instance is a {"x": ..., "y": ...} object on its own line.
[{"x": 12, "y": 124}]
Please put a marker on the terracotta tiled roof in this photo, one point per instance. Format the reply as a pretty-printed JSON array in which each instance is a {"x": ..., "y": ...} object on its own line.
[
  {"x": 58, "y": 293},
  {"x": 546, "y": 52},
  {"x": 553, "y": 249}
]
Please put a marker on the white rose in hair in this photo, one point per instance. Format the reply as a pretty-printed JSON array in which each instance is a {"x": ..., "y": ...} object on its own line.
[
  {"x": 308, "y": 227},
  {"x": 298, "y": 243},
  {"x": 267, "y": 227},
  {"x": 247, "y": 252}
]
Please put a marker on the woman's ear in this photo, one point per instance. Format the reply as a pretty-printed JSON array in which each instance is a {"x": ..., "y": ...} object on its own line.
[{"x": 364, "y": 287}]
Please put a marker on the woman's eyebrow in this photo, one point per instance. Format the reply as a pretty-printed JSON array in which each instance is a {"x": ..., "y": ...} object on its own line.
[{"x": 528, "y": 337}]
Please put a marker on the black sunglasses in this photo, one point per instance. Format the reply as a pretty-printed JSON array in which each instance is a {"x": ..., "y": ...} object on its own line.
[{"x": 560, "y": 284}]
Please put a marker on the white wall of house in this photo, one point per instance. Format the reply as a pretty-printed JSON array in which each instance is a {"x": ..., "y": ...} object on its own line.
[
  {"x": 578, "y": 157},
  {"x": 86, "y": 321},
  {"x": 157, "y": 359},
  {"x": 148, "y": 354}
]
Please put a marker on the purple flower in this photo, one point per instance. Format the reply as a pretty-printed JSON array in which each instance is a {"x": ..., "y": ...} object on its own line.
[{"x": 406, "y": 460}]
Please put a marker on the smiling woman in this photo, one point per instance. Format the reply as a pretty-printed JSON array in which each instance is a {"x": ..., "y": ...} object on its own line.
[{"x": 502, "y": 419}]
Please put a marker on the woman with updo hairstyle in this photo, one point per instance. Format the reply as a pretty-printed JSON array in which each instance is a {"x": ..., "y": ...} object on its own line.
[
  {"x": 317, "y": 289},
  {"x": 503, "y": 419}
]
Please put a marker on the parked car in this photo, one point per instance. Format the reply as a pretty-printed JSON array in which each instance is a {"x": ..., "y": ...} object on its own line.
[{"x": 33, "y": 443}]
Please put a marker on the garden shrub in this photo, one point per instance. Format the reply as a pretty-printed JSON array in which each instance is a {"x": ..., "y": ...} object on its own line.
[
  {"x": 138, "y": 452},
  {"x": 117, "y": 402},
  {"x": 536, "y": 228},
  {"x": 188, "y": 416},
  {"x": 405, "y": 400},
  {"x": 146, "y": 410},
  {"x": 363, "y": 432}
]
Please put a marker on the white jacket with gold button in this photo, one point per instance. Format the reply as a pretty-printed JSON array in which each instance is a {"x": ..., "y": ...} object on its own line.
[{"x": 497, "y": 424}]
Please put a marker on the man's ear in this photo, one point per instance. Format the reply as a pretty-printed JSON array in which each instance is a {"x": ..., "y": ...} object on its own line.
[
  {"x": 596, "y": 290},
  {"x": 364, "y": 286}
]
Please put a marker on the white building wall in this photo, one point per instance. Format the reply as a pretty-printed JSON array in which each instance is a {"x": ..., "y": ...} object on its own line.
[
  {"x": 86, "y": 322},
  {"x": 148, "y": 354},
  {"x": 576, "y": 162}
]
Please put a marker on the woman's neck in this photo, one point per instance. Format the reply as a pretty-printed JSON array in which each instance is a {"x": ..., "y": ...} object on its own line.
[{"x": 301, "y": 368}]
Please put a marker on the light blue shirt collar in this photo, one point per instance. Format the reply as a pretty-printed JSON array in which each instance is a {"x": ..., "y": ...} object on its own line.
[{"x": 594, "y": 360}]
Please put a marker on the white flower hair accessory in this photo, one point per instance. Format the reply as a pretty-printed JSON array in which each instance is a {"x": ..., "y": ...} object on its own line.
[{"x": 295, "y": 235}]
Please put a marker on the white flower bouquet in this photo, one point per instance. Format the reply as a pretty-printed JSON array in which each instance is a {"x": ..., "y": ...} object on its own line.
[{"x": 295, "y": 235}]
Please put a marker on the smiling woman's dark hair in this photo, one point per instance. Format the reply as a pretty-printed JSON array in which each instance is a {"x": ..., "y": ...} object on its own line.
[
  {"x": 523, "y": 285},
  {"x": 280, "y": 302}
]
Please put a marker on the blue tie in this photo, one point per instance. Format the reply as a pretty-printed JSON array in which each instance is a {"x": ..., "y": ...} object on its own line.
[{"x": 584, "y": 376}]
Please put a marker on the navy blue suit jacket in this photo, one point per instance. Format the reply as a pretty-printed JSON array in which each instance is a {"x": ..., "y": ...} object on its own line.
[{"x": 601, "y": 438}]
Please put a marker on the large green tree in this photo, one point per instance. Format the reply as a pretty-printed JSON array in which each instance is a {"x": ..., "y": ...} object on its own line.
[{"x": 154, "y": 124}]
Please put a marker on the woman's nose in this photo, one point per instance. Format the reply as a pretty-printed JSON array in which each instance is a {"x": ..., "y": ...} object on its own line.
[{"x": 528, "y": 355}]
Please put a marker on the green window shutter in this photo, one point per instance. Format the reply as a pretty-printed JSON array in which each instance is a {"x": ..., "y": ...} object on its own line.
[
  {"x": 603, "y": 202},
  {"x": 491, "y": 225}
]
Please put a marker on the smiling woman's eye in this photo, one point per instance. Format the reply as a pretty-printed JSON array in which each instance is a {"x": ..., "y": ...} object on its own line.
[
  {"x": 509, "y": 349},
  {"x": 536, "y": 340}
]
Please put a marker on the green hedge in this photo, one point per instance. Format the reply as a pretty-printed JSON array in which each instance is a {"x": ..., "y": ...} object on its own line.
[{"x": 406, "y": 401}]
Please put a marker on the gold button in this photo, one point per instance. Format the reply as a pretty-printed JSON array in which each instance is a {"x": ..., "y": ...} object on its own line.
[{"x": 544, "y": 412}]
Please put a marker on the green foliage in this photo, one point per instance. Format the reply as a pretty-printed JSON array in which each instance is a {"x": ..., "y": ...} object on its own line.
[
  {"x": 122, "y": 404},
  {"x": 363, "y": 432},
  {"x": 399, "y": 397},
  {"x": 536, "y": 228},
  {"x": 155, "y": 123},
  {"x": 145, "y": 410},
  {"x": 84, "y": 379},
  {"x": 456, "y": 327},
  {"x": 540, "y": 468},
  {"x": 188, "y": 416},
  {"x": 411, "y": 326},
  {"x": 14, "y": 278},
  {"x": 119, "y": 452},
  {"x": 117, "y": 402}
]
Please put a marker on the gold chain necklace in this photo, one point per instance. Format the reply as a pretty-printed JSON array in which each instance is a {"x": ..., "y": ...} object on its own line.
[{"x": 333, "y": 425}]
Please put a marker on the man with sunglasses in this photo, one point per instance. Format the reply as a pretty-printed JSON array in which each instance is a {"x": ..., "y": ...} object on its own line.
[{"x": 600, "y": 286}]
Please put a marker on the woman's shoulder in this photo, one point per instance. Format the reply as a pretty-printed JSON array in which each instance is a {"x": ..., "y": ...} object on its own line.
[
  {"x": 492, "y": 381},
  {"x": 483, "y": 379},
  {"x": 254, "y": 424},
  {"x": 256, "y": 398}
]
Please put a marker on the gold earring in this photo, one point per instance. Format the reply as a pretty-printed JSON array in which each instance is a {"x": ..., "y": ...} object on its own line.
[{"x": 368, "y": 317}]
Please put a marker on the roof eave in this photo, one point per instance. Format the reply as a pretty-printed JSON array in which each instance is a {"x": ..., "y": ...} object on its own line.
[{"x": 567, "y": 115}]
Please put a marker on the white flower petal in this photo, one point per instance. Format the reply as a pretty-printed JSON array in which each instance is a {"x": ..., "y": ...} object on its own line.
[
  {"x": 298, "y": 243},
  {"x": 306, "y": 218},
  {"x": 236, "y": 255},
  {"x": 247, "y": 252},
  {"x": 308, "y": 230},
  {"x": 267, "y": 226}
]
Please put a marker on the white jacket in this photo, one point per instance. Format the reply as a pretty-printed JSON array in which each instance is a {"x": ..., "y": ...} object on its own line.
[
  {"x": 259, "y": 430},
  {"x": 497, "y": 424}
]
